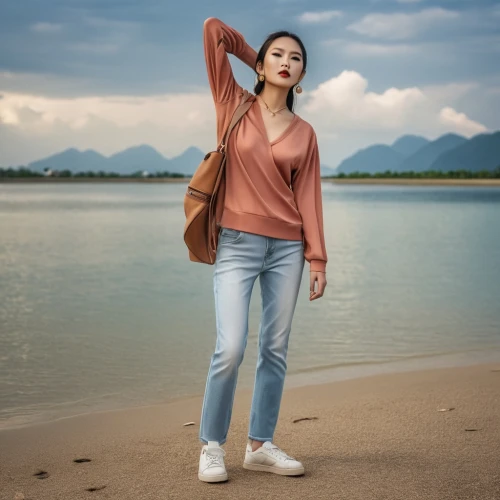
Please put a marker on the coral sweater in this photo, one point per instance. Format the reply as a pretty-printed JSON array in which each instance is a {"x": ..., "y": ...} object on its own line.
[{"x": 272, "y": 188}]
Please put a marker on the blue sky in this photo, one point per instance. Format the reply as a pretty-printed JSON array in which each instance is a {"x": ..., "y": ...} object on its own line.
[{"x": 111, "y": 74}]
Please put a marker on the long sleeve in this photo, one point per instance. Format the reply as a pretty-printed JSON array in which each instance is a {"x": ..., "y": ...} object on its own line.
[
  {"x": 219, "y": 39},
  {"x": 306, "y": 186}
]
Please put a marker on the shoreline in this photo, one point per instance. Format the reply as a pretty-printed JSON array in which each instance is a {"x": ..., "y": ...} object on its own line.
[
  {"x": 419, "y": 182},
  {"x": 294, "y": 379},
  {"x": 402, "y": 182},
  {"x": 77, "y": 180},
  {"x": 430, "y": 434}
]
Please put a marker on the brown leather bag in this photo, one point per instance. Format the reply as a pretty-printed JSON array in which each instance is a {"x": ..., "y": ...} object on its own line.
[{"x": 204, "y": 199}]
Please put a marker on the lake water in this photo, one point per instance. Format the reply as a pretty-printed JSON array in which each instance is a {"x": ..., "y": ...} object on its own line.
[{"x": 100, "y": 307}]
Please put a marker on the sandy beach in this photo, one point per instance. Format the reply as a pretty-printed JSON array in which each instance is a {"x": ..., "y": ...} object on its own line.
[{"x": 381, "y": 437}]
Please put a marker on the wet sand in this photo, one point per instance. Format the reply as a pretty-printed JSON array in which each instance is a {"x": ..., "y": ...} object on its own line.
[{"x": 380, "y": 437}]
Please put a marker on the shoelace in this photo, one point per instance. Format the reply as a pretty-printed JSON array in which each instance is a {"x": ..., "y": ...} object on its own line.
[
  {"x": 279, "y": 453},
  {"x": 214, "y": 456}
]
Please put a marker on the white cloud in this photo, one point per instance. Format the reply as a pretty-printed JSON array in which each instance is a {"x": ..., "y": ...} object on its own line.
[
  {"x": 449, "y": 92},
  {"x": 170, "y": 110},
  {"x": 8, "y": 116},
  {"x": 399, "y": 25},
  {"x": 452, "y": 50},
  {"x": 171, "y": 123},
  {"x": 344, "y": 104},
  {"x": 460, "y": 122},
  {"x": 360, "y": 49},
  {"x": 46, "y": 27},
  {"x": 319, "y": 17}
]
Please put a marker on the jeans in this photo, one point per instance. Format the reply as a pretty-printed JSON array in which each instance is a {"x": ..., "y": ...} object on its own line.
[{"x": 241, "y": 258}]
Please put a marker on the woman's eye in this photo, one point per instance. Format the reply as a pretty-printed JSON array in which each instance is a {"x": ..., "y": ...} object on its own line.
[{"x": 294, "y": 58}]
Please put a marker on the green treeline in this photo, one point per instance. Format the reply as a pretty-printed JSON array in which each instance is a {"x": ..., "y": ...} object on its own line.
[
  {"x": 428, "y": 174},
  {"x": 24, "y": 172}
]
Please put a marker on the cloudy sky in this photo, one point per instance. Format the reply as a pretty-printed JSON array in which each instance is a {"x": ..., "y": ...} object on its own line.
[{"x": 109, "y": 74}]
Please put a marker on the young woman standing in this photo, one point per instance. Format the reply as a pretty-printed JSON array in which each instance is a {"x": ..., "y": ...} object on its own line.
[{"x": 272, "y": 221}]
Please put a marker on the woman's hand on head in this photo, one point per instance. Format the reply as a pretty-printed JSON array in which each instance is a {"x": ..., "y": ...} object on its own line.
[{"x": 317, "y": 284}]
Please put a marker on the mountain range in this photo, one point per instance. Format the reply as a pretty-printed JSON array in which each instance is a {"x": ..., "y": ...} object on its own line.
[
  {"x": 417, "y": 154},
  {"x": 128, "y": 161},
  {"x": 408, "y": 153}
]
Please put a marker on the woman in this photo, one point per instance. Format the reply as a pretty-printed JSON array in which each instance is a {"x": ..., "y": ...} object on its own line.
[{"x": 272, "y": 220}]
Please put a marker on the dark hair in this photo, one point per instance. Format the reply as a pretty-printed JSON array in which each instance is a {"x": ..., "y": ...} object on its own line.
[{"x": 260, "y": 57}]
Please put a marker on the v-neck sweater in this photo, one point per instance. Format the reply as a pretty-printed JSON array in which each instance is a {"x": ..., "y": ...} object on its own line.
[{"x": 272, "y": 188}]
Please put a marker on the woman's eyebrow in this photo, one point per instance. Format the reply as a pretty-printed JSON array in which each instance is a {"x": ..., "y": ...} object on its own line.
[{"x": 293, "y": 52}]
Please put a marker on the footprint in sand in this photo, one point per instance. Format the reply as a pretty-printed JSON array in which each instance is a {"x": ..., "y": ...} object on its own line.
[
  {"x": 41, "y": 474},
  {"x": 95, "y": 488},
  {"x": 82, "y": 460}
]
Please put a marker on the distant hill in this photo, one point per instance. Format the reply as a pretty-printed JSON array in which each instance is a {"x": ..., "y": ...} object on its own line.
[
  {"x": 71, "y": 159},
  {"x": 130, "y": 160},
  {"x": 137, "y": 158},
  {"x": 448, "y": 152},
  {"x": 187, "y": 162},
  {"x": 327, "y": 171},
  {"x": 378, "y": 158},
  {"x": 423, "y": 158},
  {"x": 409, "y": 144},
  {"x": 481, "y": 152}
]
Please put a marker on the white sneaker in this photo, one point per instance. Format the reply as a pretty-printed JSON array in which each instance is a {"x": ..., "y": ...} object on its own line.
[
  {"x": 269, "y": 458},
  {"x": 212, "y": 468}
]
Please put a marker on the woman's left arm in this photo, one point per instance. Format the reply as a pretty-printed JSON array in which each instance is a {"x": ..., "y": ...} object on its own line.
[{"x": 306, "y": 186}]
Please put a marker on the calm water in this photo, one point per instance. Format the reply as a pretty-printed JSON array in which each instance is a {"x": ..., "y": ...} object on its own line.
[{"x": 100, "y": 307}]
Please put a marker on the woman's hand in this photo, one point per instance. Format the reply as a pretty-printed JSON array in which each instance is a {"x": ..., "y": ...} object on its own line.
[{"x": 318, "y": 278}]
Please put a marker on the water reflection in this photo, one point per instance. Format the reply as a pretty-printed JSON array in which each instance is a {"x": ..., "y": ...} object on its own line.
[{"x": 101, "y": 307}]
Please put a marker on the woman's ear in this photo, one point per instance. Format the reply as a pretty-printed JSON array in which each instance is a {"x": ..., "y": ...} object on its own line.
[{"x": 258, "y": 66}]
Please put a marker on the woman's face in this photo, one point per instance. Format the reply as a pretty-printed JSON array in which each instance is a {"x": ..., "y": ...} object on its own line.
[{"x": 283, "y": 55}]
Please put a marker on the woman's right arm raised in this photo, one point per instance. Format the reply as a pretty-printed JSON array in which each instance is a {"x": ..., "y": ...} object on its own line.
[{"x": 219, "y": 39}]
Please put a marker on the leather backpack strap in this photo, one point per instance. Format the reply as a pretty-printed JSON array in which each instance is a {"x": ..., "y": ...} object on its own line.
[{"x": 242, "y": 108}]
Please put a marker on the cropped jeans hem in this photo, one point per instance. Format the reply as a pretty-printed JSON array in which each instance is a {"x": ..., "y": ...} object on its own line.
[
  {"x": 263, "y": 440},
  {"x": 204, "y": 441}
]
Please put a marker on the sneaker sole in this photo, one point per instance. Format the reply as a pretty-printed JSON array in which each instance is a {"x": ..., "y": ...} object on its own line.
[
  {"x": 212, "y": 479},
  {"x": 275, "y": 470}
]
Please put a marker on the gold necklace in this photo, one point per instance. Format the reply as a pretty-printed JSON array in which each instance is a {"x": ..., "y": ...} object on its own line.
[{"x": 273, "y": 113}]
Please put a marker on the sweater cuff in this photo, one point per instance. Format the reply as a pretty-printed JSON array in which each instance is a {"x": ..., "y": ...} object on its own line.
[{"x": 318, "y": 266}]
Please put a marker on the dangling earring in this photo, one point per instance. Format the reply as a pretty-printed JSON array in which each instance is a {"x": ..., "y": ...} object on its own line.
[
  {"x": 261, "y": 78},
  {"x": 298, "y": 89}
]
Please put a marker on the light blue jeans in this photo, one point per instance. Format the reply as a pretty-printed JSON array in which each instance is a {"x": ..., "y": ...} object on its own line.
[{"x": 241, "y": 258}]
